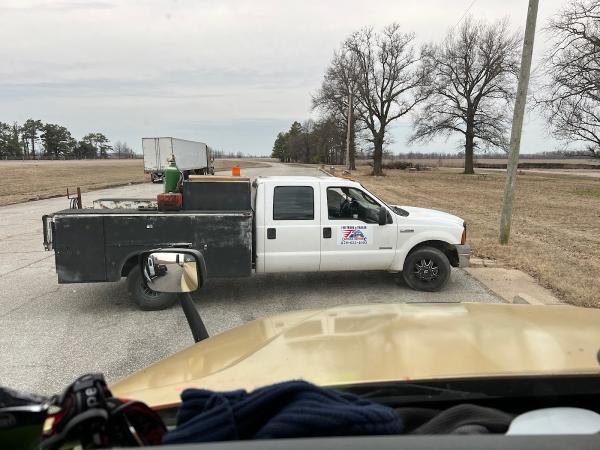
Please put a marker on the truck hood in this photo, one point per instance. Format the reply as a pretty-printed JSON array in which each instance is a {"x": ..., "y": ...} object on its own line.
[
  {"x": 431, "y": 214},
  {"x": 378, "y": 343}
]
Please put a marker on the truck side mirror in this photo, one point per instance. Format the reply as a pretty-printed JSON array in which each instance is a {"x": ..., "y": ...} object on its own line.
[
  {"x": 171, "y": 270},
  {"x": 177, "y": 270},
  {"x": 382, "y": 215}
]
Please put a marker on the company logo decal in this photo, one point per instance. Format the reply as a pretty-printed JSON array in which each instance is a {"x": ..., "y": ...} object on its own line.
[{"x": 353, "y": 235}]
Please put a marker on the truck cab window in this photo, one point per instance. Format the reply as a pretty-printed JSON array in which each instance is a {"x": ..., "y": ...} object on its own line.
[
  {"x": 293, "y": 203},
  {"x": 351, "y": 203}
]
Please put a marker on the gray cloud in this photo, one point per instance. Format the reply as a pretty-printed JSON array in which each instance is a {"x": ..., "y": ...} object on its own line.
[
  {"x": 232, "y": 72},
  {"x": 58, "y": 6}
]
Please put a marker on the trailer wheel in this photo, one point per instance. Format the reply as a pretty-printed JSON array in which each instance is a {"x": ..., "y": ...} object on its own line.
[{"x": 147, "y": 299}]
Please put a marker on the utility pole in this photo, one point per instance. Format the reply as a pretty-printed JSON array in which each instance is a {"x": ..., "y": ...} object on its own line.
[
  {"x": 348, "y": 131},
  {"x": 517, "y": 123}
]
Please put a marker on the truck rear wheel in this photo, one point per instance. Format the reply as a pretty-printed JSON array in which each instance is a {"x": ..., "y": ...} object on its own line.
[
  {"x": 426, "y": 269},
  {"x": 147, "y": 299}
]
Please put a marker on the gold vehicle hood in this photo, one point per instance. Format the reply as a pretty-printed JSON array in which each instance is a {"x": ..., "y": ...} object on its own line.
[{"x": 378, "y": 343}]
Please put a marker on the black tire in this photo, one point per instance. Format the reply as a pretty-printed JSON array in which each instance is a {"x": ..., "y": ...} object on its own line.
[
  {"x": 146, "y": 299},
  {"x": 426, "y": 269}
]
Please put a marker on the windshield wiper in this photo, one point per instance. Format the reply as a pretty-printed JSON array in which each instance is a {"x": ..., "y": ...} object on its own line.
[{"x": 401, "y": 393}]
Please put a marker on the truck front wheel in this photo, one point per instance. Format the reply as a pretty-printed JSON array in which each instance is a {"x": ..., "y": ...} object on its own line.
[
  {"x": 147, "y": 299},
  {"x": 426, "y": 269}
]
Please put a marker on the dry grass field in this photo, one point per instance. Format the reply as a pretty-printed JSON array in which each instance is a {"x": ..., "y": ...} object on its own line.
[
  {"x": 35, "y": 180},
  {"x": 555, "y": 228},
  {"x": 460, "y": 163}
]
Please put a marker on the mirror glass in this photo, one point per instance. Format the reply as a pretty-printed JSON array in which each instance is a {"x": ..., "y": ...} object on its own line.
[{"x": 171, "y": 272}]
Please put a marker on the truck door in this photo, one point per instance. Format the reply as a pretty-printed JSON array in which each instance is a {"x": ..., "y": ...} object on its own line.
[
  {"x": 351, "y": 238},
  {"x": 292, "y": 227}
]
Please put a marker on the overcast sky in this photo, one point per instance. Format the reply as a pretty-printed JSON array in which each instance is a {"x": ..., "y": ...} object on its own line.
[{"x": 229, "y": 73}]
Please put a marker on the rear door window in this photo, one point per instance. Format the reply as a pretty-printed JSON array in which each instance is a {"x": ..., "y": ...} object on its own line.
[{"x": 293, "y": 203}]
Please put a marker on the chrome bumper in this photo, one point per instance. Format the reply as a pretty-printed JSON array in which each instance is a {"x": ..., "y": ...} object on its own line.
[{"x": 464, "y": 254}]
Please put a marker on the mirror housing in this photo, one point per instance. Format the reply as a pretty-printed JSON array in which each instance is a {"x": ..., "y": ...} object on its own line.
[
  {"x": 382, "y": 215},
  {"x": 173, "y": 270}
]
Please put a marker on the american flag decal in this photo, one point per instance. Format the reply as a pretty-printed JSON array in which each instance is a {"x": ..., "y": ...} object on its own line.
[{"x": 353, "y": 235}]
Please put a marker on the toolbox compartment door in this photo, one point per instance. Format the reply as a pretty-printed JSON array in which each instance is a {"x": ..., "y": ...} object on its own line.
[
  {"x": 79, "y": 248},
  {"x": 224, "y": 239}
]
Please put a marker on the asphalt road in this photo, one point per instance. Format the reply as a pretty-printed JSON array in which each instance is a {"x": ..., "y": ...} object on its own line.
[{"x": 51, "y": 333}]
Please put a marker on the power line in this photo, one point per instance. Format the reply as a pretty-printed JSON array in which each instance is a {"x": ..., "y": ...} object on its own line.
[{"x": 464, "y": 14}]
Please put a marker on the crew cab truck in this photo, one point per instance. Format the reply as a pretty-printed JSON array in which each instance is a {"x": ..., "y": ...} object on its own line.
[{"x": 275, "y": 224}]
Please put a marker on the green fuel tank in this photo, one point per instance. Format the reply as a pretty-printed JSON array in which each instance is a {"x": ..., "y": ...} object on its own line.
[{"x": 172, "y": 176}]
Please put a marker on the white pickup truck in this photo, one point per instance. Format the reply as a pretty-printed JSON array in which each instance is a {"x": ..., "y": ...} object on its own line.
[{"x": 275, "y": 224}]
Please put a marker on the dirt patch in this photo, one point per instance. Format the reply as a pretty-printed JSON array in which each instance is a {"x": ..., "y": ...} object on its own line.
[
  {"x": 34, "y": 180},
  {"x": 555, "y": 230}
]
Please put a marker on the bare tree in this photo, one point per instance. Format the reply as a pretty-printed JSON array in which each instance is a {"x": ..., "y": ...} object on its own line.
[
  {"x": 329, "y": 138},
  {"x": 474, "y": 73},
  {"x": 571, "y": 94},
  {"x": 122, "y": 149},
  {"x": 333, "y": 97},
  {"x": 389, "y": 81}
]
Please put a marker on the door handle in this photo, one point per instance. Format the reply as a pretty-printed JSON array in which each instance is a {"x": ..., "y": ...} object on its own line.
[
  {"x": 271, "y": 233},
  {"x": 327, "y": 233}
]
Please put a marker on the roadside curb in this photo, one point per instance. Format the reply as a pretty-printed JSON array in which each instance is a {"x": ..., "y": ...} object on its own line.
[
  {"x": 512, "y": 285},
  {"x": 483, "y": 262}
]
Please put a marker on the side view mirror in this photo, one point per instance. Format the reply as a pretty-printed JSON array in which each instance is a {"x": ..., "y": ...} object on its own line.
[
  {"x": 177, "y": 270},
  {"x": 382, "y": 216},
  {"x": 171, "y": 270}
]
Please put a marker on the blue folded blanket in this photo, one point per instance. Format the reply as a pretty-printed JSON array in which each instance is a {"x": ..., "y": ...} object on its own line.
[{"x": 285, "y": 410}]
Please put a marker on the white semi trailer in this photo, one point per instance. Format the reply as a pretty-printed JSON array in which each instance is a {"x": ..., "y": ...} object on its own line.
[{"x": 191, "y": 157}]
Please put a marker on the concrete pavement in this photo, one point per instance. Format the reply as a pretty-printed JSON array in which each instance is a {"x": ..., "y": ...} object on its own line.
[{"x": 51, "y": 333}]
